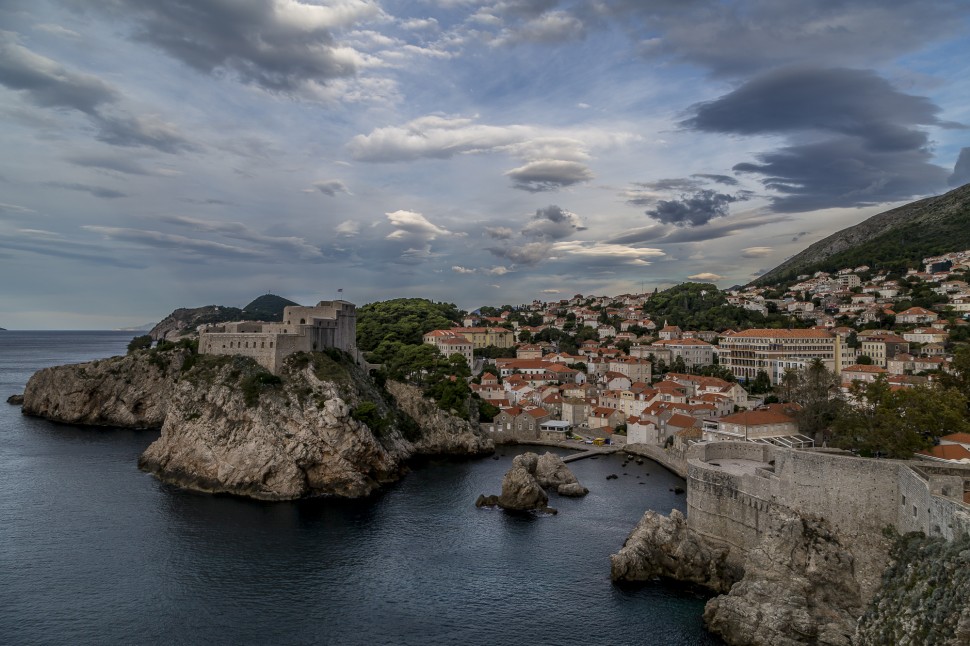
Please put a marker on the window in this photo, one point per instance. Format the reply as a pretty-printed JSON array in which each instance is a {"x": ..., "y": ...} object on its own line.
[{"x": 914, "y": 511}]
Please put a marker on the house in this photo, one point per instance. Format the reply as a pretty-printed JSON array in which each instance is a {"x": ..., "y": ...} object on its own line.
[
  {"x": 668, "y": 332},
  {"x": 916, "y": 316},
  {"x": 693, "y": 352},
  {"x": 602, "y": 417},
  {"x": 861, "y": 374},
  {"x": 528, "y": 351},
  {"x": 926, "y": 335},
  {"x": 527, "y": 422},
  {"x": 755, "y": 425}
]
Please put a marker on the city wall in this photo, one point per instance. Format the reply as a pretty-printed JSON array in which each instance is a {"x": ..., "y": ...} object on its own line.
[{"x": 736, "y": 492}]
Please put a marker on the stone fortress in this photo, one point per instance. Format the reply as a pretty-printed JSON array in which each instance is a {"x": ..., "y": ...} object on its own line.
[
  {"x": 328, "y": 324},
  {"x": 733, "y": 488}
]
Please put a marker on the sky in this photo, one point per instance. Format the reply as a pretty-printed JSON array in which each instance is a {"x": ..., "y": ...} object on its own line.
[{"x": 183, "y": 153}]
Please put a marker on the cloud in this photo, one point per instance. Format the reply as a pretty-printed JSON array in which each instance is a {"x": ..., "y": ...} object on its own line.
[
  {"x": 670, "y": 234},
  {"x": 961, "y": 171},
  {"x": 15, "y": 210},
  {"x": 109, "y": 162},
  {"x": 47, "y": 83},
  {"x": 718, "y": 179},
  {"x": 551, "y": 291},
  {"x": 551, "y": 27},
  {"x": 199, "y": 250},
  {"x": 285, "y": 246},
  {"x": 348, "y": 228},
  {"x": 499, "y": 233},
  {"x": 53, "y": 246},
  {"x": 498, "y": 271},
  {"x": 553, "y": 223},
  {"x": 606, "y": 252},
  {"x": 57, "y": 30},
  {"x": 458, "y": 269},
  {"x": 528, "y": 254},
  {"x": 739, "y": 38},
  {"x": 707, "y": 277},
  {"x": 548, "y": 175},
  {"x": 757, "y": 252},
  {"x": 694, "y": 209},
  {"x": 331, "y": 187},
  {"x": 409, "y": 224},
  {"x": 96, "y": 191},
  {"x": 280, "y": 46},
  {"x": 855, "y": 138}
]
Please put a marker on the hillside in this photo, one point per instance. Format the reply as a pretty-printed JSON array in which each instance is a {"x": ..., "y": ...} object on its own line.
[
  {"x": 895, "y": 239},
  {"x": 268, "y": 307}
]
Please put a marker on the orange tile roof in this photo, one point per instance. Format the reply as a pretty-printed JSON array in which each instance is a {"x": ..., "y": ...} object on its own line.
[
  {"x": 782, "y": 334},
  {"x": 962, "y": 438},
  {"x": 757, "y": 418},
  {"x": 947, "y": 452},
  {"x": 863, "y": 368}
]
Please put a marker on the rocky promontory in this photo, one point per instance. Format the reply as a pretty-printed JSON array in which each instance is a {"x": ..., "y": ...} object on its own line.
[
  {"x": 133, "y": 391},
  {"x": 321, "y": 427},
  {"x": 797, "y": 586}
]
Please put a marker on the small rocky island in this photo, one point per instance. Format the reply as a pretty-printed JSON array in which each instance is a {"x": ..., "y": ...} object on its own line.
[
  {"x": 320, "y": 427},
  {"x": 524, "y": 485}
]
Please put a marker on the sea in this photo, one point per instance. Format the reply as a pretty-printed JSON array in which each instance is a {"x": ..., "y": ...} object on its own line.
[{"x": 93, "y": 551}]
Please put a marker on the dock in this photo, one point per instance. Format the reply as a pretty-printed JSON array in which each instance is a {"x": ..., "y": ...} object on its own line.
[{"x": 588, "y": 453}]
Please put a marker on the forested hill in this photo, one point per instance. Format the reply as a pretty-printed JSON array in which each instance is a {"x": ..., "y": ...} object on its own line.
[
  {"x": 402, "y": 321},
  {"x": 893, "y": 240},
  {"x": 702, "y": 306},
  {"x": 268, "y": 307}
]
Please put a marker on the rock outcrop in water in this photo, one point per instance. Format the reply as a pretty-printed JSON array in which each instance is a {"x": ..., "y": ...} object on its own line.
[
  {"x": 663, "y": 546},
  {"x": 322, "y": 427},
  {"x": 796, "y": 587},
  {"x": 523, "y": 487}
]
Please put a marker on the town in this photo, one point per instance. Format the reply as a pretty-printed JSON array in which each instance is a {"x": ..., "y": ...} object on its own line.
[{"x": 604, "y": 370}]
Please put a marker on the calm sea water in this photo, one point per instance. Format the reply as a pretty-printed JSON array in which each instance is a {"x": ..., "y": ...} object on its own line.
[{"x": 92, "y": 551}]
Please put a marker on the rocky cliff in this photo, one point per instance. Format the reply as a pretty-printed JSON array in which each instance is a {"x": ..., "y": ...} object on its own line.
[
  {"x": 322, "y": 427},
  {"x": 130, "y": 392},
  {"x": 796, "y": 587}
]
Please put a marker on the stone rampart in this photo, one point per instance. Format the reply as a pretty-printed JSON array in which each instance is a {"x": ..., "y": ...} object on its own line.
[{"x": 732, "y": 487}]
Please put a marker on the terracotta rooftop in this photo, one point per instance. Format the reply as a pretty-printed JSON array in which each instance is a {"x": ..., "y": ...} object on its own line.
[
  {"x": 947, "y": 452},
  {"x": 756, "y": 333},
  {"x": 962, "y": 438}
]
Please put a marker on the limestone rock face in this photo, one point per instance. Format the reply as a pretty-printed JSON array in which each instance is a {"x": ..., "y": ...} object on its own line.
[
  {"x": 798, "y": 588},
  {"x": 551, "y": 471},
  {"x": 520, "y": 489},
  {"x": 131, "y": 392},
  {"x": 229, "y": 426},
  {"x": 523, "y": 487},
  {"x": 572, "y": 490},
  {"x": 442, "y": 433},
  {"x": 281, "y": 449},
  {"x": 663, "y": 546},
  {"x": 15, "y": 400}
]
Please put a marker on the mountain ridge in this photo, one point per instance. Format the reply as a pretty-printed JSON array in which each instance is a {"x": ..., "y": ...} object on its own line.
[{"x": 897, "y": 237}]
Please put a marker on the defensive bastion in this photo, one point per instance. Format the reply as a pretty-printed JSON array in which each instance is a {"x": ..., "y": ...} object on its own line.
[{"x": 733, "y": 486}]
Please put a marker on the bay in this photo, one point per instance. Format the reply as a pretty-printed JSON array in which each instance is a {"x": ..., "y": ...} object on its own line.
[{"x": 93, "y": 551}]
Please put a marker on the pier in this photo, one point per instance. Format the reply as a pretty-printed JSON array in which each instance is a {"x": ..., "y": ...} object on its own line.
[{"x": 588, "y": 453}]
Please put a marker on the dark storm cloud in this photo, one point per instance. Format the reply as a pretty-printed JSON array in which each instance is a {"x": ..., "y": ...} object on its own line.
[
  {"x": 693, "y": 209},
  {"x": 858, "y": 141},
  {"x": 553, "y": 223},
  {"x": 843, "y": 172},
  {"x": 278, "y": 46},
  {"x": 48, "y": 84},
  {"x": 96, "y": 191},
  {"x": 845, "y": 101},
  {"x": 961, "y": 171}
]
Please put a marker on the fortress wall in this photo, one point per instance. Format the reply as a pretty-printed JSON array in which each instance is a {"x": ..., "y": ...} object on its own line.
[
  {"x": 856, "y": 495},
  {"x": 261, "y": 347},
  {"x": 719, "y": 508},
  {"x": 933, "y": 505}
]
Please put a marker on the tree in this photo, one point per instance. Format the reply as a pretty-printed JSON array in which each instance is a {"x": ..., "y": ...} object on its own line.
[
  {"x": 821, "y": 401},
  {"x": 957, "y": 376},
  {"x": 525, "y": 336},
  {"x": 143, "y": 342},
  {"x": 895, "y": 423},
  {"x": 761, "y": 383},
  {"x": 864, "y": 360}
]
